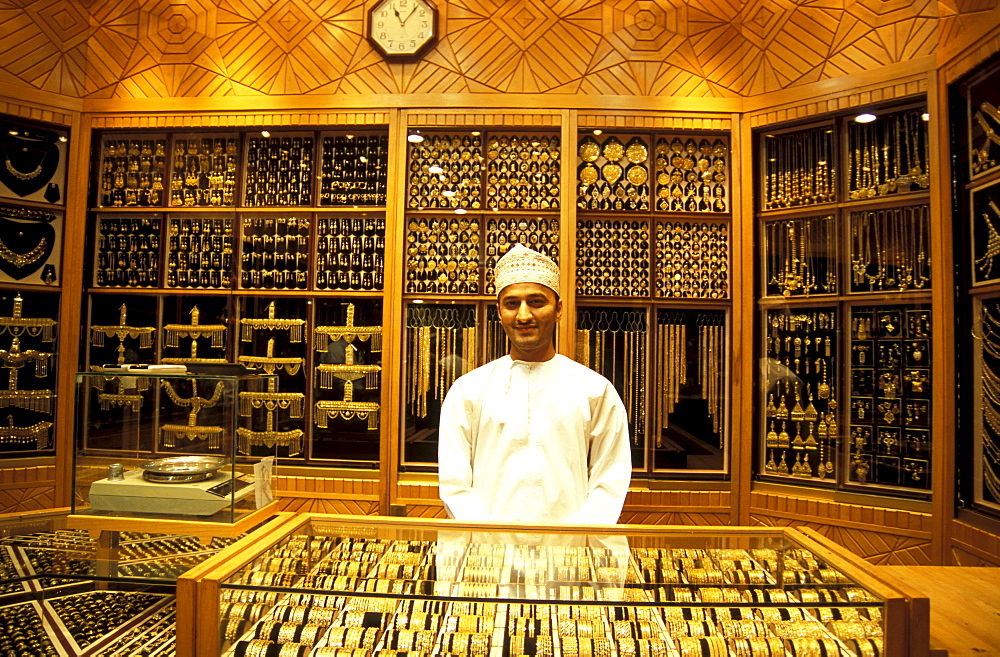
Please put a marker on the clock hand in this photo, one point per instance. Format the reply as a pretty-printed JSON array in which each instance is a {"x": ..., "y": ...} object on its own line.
[
  {"x": 398, "y": 17},
  {"x": 408, "y": 14}
]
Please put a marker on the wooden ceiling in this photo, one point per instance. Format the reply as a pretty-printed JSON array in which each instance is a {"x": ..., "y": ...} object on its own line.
[{"x": 107, "y": 49}]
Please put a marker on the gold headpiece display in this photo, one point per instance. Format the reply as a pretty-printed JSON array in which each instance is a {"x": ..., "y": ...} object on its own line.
[{"x": 523, "y": 265}]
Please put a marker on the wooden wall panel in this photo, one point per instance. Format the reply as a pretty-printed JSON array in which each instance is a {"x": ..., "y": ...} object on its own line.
[
  {"x": 27, "y": 488},
  {"x": 882, "y": 536},
  {"x": 104, "y": 49}
]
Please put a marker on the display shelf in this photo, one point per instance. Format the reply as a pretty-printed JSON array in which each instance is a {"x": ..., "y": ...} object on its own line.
[
  {"x": 450, "y": 585},
  {"x": 844, "y": 225}
]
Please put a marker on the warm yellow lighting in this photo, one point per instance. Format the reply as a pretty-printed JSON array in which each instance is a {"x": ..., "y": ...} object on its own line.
[{"x": 865, "y": 118}]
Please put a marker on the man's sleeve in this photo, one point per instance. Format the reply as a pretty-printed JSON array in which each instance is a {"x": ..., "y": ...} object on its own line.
[
  {"x": 610, "y": 462},
  {"x": 455, "y": 453}
]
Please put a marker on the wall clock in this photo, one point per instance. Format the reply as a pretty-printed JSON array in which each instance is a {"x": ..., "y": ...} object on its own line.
[{"x": 402, "y": 29}]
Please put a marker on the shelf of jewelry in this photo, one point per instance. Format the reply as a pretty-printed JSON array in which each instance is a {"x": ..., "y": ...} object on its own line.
[
  {"x": 51, "y": 604},
  {"x": 204, "y": 170},
  {"x": 350, "y": 252},
  {"x": 798, "y": 168},
  {"x": 199, "y": 251},
  {"x": 986, "y": 423},
  {"x": 274, "y": 252},
  {"x": 800, "y": 256},
  {"x": 353, "y": 169},
  {"x": 28, "y": 353},
  {"x": 982, "y": 117},
  {"x": 133, "y": 171},
  {"x": 888, "y": 155},
  {"x": 690, "y": 173},
  {"x": 801, "y": 430},
  {"x": 513, "y": 171},
  {"x": 128, "y": 251},
  {"x": 323, "y": 586}
]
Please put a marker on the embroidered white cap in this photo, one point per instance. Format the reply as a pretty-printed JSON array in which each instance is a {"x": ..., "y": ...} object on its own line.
[{"x": 524, "y": 265}]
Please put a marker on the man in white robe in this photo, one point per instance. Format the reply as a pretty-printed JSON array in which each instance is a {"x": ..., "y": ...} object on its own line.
[{"x": 533, "y": 436}]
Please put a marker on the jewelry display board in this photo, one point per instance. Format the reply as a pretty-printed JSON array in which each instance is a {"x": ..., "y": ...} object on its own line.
[
  {"x": 347, "y": 380},
  {"x": 133, "y": 171},
  {"x": 321, "y": 584},
  {"x": 35, "y": 166},
  {"x": 689, "y": 390},
  {"x": 28, "y": 323},
  {"x": 845, "y": 385},
  {"x": 611, "y": 341},
  {"x": 272, "y": 341},
  {"x": 975, "y": 139},
  {"x": 274, "y": 253},
  {"x": 30, "y": 245},
  {"x": 890, "y": 395},
  {"x": 128, "y": 252}
]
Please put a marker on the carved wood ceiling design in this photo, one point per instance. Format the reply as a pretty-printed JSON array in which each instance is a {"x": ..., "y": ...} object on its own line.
[{"x": 692, "y": 48}]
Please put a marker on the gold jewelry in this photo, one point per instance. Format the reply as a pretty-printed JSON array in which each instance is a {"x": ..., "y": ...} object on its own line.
[{"x": 22, "y": 259}]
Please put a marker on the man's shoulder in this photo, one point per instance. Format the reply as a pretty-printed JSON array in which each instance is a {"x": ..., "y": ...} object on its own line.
[{"x": 580, "y": 370}]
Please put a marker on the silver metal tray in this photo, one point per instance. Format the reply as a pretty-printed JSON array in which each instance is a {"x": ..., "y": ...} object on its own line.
[{"x": 182, "y": 469}]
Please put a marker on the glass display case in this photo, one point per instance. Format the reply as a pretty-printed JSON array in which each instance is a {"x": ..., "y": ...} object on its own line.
[
  {"x": 156, "y": 445},
  {"x": 63, "y": 592},
  {"x": 319, "y": 584}
]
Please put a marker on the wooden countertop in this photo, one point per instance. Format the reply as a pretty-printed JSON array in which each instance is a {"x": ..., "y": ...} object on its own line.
[{"x": 965, "y": 607}]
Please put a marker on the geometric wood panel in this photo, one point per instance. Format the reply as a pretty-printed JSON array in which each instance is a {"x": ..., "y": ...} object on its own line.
[
  {"x": 882, "y": 536},
  {"x": 880, "y": 547},
  {"x": 681, "y": 48},
  {"x": 328, "y": 505},
  {"x": 27, "y": 489}
]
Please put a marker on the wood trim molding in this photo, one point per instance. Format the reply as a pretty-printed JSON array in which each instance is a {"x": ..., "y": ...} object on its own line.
[
  {"x": 958, "y": 64},
  {"x": 173, "y": 121},
  {"x": 838, "y": 102},
  {"x": 537, "y": 118},
  {"x": 35, "y": 112},
  {"x": 646, "y": 121}
]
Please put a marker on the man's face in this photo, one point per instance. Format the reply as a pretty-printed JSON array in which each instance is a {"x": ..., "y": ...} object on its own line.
[{"x": 528, "y": 313}]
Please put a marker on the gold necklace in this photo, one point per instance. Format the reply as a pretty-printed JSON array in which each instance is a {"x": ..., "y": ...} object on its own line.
[
  {"x": 22, "y": 259},
  {"x": 20, "y": 175}
]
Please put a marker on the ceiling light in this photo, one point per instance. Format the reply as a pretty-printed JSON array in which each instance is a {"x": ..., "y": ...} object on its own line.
[
  {"x": 865, "y": 118},
  {"x": 265, "y": 133},
  {"x": 414, "y": 138}
]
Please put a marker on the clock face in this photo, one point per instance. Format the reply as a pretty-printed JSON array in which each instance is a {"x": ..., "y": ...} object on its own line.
[{"x": 402, "y": 28}]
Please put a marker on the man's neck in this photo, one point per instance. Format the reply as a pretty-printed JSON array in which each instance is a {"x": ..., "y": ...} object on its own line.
[{"x": 542, "y": 357}]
